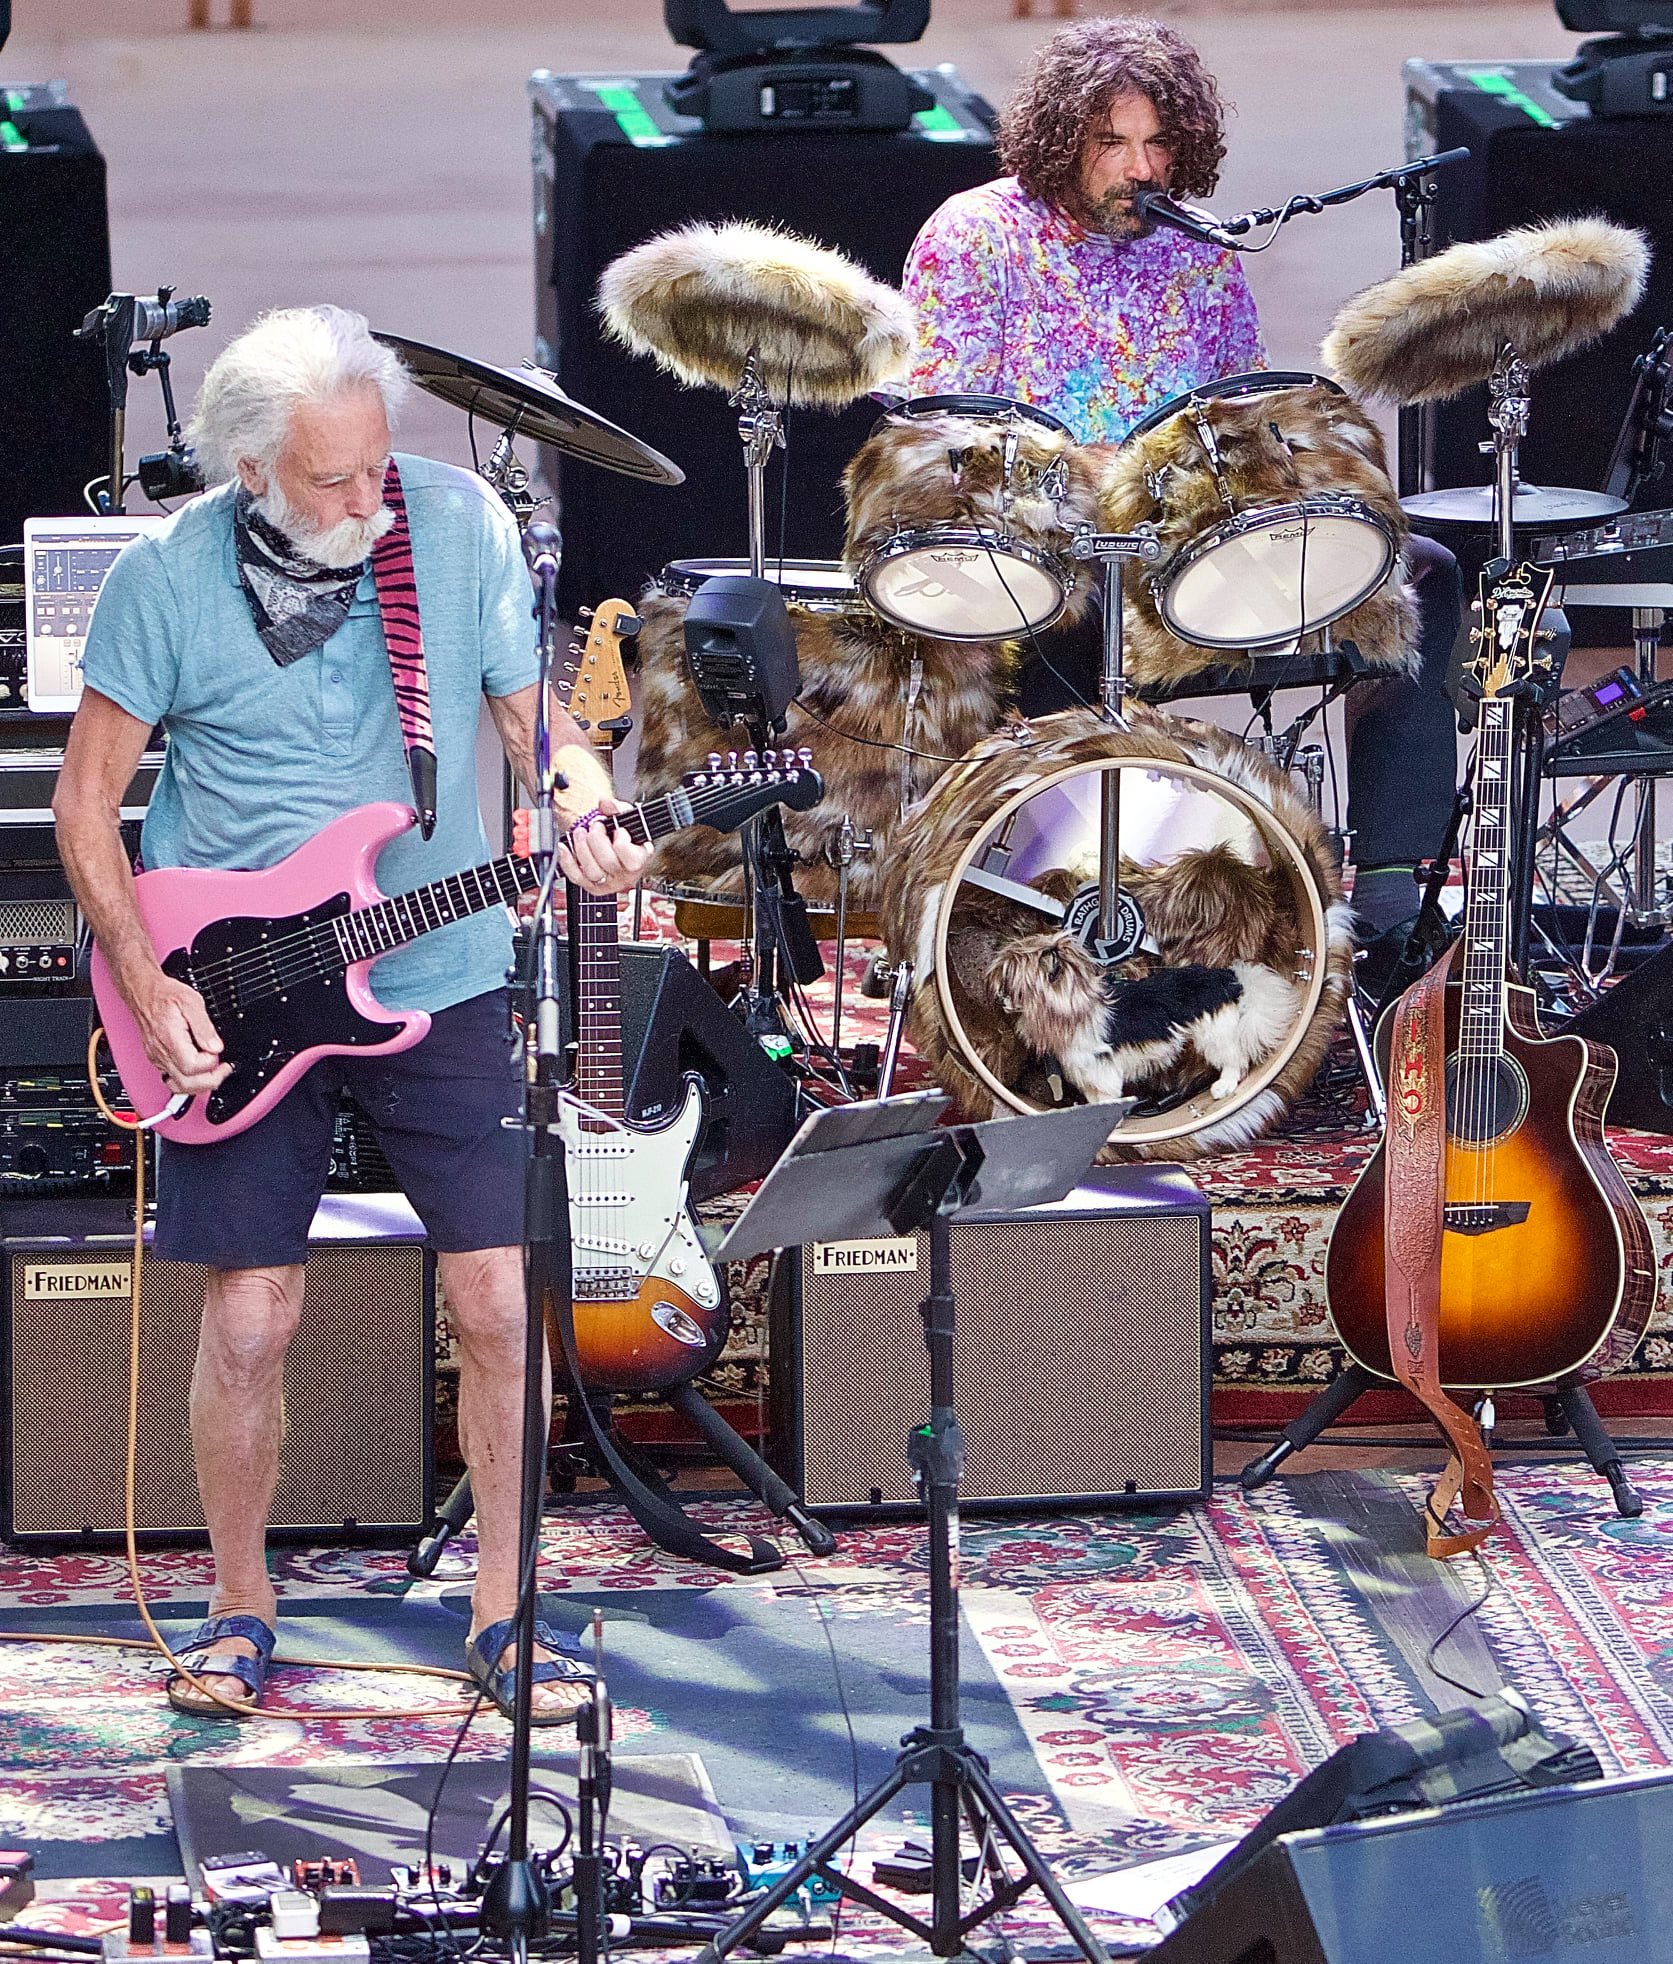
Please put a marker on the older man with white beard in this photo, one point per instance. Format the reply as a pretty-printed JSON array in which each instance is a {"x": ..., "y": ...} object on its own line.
[{"x": 250, "y": 627}]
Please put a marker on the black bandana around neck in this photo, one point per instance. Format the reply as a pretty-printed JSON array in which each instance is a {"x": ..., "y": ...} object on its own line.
[{"x": 297, "y": 603}]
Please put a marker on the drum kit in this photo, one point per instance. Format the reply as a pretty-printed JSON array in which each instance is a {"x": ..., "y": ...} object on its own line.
[{"x": 1048, "y": 891}]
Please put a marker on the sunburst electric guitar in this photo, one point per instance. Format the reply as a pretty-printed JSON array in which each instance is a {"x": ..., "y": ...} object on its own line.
[
  {"x": 1547, "y": 1268},
  {"x": 650, "y": 1307}
]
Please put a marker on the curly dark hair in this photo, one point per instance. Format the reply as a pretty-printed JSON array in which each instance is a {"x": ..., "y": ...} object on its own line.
[{"x": 1066, "y": 92}]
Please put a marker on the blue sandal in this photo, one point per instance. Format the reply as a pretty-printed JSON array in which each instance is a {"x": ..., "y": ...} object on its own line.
[
  {"x": 251, "y": 1672},
  {"x": 482, "y": 1655}
]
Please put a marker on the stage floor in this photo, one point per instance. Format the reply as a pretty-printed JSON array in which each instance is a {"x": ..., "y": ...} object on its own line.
[{"x": 1142, "y": 1682}]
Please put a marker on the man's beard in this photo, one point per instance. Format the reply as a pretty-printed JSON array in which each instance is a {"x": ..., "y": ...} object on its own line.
[
  {"x": 1113, "y": 213},
  {"x": 344, "y": 544}
]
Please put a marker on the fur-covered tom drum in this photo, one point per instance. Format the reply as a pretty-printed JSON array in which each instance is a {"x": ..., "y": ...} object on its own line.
[
  {"x": 960, "y": 514},
  {"x": 882, "y": 712},
  {"x": 1222, "y": 1017},
  {"x": 1277, "y": 518}
]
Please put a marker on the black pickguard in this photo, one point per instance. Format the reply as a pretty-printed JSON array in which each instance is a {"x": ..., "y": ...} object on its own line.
[{"x": 294, "y": 1000}]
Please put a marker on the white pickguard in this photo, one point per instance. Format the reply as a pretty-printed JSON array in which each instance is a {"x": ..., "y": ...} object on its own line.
[{"x": 628, "y": 1211}]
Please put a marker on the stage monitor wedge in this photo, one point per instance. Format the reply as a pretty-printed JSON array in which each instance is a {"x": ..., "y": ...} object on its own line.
[{"x": 1575, "y": 1872}]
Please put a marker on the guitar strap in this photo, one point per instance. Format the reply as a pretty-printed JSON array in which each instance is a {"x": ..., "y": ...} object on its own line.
[
  {"x": 403, "y": 636},
  {"x": 1414, "y": 1222}
]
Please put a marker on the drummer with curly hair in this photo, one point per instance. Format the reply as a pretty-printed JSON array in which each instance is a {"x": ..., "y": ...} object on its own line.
[{"x": 1047, "y": 287}]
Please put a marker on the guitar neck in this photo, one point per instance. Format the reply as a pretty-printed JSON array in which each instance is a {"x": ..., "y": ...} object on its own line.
[
  {"x": 1487, "y": 904},
  {"x": 599, "y": 1076},
  {"x": 386, "y": 924}
]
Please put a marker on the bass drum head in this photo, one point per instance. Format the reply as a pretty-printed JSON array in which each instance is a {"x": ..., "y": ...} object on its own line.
[
  {"x": 822, "y": 586},
  {"x": 1270, "y": 575},
  {"x": 1000, "y": 866},
  {"x": 981, "y": 408},
  {"x": 955, "y": 584}
]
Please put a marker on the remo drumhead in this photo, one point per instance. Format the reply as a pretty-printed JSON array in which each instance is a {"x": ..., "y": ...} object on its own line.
[{"x": 1273, "y": 572}]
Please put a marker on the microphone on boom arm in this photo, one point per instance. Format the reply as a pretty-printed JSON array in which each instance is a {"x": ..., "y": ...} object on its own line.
[
  {"x": 542, "y": 548},
  {"x": 1155, "y": 207}
]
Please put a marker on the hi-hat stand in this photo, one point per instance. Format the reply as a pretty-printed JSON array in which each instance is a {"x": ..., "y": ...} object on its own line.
[{"x": 886, "y": 1168}]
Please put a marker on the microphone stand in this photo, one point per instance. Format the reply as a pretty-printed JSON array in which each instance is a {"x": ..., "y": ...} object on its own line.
[{"x": 516, "y": 1906}]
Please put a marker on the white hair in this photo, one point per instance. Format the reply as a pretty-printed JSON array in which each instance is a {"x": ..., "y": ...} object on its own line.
[{"x": 288, "y": 358}]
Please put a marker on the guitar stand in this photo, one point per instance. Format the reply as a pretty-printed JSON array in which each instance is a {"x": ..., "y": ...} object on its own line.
[
  {"x": 1570, "y": 1409},
  {"x": 576, "y": 1446}
]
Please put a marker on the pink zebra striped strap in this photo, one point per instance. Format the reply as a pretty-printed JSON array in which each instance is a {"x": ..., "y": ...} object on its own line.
[{"x": 403, "y": 636}]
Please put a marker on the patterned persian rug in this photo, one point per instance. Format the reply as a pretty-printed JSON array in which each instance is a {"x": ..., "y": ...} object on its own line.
[{"x": 1142, "y": 1683}]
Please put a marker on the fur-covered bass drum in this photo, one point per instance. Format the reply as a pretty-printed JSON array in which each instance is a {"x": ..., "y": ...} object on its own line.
[
  {"x": 1277, "y": 517},
  {"x": 960, "y": 514},
  {"x": 1220, "y": 1020},
  {"x": 886, "y": 709}
]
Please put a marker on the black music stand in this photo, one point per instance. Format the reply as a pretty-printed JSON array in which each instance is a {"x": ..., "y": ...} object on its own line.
[{"x": 886, "y": 1168}]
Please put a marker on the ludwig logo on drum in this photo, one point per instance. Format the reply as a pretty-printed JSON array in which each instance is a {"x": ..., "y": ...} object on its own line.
[{"x": 899, "y": 1257}]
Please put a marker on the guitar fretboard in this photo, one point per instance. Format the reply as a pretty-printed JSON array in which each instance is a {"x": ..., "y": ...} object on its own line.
[
  {"x": 1487, "y": 907},
  {"x": 599, "y": 1076},
  {"x": 389, "y": 923}
]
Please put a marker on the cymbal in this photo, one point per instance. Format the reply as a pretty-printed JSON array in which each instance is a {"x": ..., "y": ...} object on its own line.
[
  {"x": 1532, "y": 504},
  {"x": 529, "y": 403}
]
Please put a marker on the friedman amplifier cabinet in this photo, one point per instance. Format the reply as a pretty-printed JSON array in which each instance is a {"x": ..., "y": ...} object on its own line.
[
  {"x": 1082, "y": 1354},
  {"x": 359, "y": 1377},
  {"x": 614, "y": 165}
]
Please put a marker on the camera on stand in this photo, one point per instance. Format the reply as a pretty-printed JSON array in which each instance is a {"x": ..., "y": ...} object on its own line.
[{"x": 1628, "y": 70}]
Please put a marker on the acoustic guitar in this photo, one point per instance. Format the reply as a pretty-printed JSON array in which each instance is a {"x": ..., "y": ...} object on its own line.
[{"x": 1547, "y": 1268}]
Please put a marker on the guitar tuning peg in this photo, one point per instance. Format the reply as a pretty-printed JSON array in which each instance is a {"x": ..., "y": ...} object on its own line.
[
  {"x": 804, "y": 756},
  {"x": 750, "y": 760},
  {"x": 714, "y": 760},
  {"x": 731, "y": 760},
  {"x": 770, "y": 759},
  {"x": 584, "y": 613}
]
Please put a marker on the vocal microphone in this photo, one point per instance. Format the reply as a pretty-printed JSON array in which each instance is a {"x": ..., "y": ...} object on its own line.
[
  {"x": 543, "y": 548},
  {"x": 1157, "y": 208}
]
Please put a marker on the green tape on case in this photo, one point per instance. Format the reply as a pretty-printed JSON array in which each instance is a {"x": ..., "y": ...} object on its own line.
[
  {"x": 1490, "y": 82},
  {"x": 633, "y": 119}
]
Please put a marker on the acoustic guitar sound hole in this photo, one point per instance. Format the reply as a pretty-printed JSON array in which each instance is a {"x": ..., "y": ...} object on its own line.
[{"x": 1485, "y": 1100}]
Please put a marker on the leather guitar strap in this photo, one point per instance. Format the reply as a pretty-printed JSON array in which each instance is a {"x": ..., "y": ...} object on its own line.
[{"x": 1414, "y": 1222}]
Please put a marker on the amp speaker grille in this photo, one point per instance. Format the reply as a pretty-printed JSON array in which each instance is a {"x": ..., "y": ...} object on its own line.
[
  {"x": 358, "y": 1381},
  {"x": 1080, "y": 1363}
]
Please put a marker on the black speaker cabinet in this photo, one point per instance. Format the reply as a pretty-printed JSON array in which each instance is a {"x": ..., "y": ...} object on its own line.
[
  {"x": 359, "y": 1377},
  {"x": 54, "y": 401},
  {"x": 1569, "y": 1872},
  {"x": 674, "y": 1026},
  {"x": 1635, "y": 1019},
  {"x": 1081, "y": 1353},
  {"x": 613, "y": 165}
]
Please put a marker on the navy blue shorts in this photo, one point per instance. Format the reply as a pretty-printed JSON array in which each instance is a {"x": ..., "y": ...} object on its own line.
[{"x": 437, "y": 1111}]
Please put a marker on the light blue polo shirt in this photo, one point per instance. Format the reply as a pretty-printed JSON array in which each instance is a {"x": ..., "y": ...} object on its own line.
[{"x": 261, "y": 757}]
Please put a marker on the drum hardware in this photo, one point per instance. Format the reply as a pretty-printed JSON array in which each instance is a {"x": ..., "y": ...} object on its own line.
[
  {"x": 850, "y": 845},
  {"x": 1113, "y": 550},
  {"x": 761, "y": 432},
  {"x": 900, "y": 997}
]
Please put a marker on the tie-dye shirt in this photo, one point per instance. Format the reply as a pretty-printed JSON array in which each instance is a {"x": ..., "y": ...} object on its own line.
[{"x": 1015, "y": 299}]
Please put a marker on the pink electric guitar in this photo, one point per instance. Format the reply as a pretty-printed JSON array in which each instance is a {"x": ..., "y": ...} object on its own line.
[{"x": 281, "y": 957}]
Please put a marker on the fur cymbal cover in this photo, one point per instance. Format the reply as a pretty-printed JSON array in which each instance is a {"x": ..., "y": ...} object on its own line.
[
  {"x": 1435, "y": 329},
  {"x": 702, "y": 298}
]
